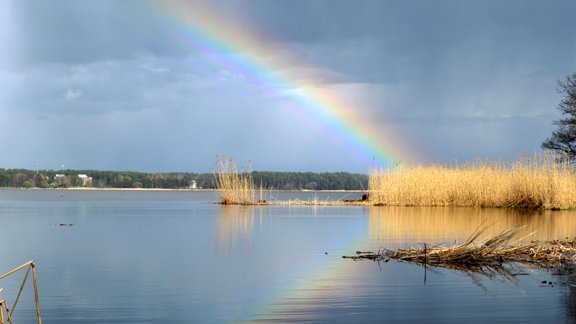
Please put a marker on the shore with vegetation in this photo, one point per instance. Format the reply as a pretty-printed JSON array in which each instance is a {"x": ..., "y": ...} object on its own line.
[
  {"x": 97, "y": 179},
  {"x": 541, "y": 181}
]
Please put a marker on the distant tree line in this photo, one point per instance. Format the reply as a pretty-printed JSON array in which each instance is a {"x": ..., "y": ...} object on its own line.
[
  {"x": 22, "y": 178},
  {"x": 310, "y": 180}
]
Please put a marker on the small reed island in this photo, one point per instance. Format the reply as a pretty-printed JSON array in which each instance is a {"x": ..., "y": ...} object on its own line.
[{"x": 542, "y": 181}]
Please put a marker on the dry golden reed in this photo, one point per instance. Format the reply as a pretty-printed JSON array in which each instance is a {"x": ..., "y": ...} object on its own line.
[
  {"x": 546, "y": 180},
  {"x": 236, "y": 188}
]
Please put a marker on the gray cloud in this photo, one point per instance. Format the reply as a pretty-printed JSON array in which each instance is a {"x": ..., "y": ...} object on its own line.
[
  {"x": 455, "y": 79},
  {"x": 80, "y": 32}
]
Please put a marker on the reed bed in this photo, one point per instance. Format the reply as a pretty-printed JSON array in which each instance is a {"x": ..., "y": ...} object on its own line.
[
  {"x": 484, "y": 254},
  {"x": 545, "y": 180},
  {"x": 236, "y": 187}
]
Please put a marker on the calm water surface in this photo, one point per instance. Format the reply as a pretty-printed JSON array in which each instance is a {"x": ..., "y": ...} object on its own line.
[{"x": 176, "y": 257}]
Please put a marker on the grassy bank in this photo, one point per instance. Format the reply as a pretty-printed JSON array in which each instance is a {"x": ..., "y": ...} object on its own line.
[{"x": 541, "y": 181}]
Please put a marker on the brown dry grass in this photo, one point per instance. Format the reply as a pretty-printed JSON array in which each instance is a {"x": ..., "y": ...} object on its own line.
[
  {"x": 236, "y": 187},
  {"x": 541, "y": 181}
]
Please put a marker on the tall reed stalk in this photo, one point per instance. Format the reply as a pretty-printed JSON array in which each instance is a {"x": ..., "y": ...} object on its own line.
[
  {"x": 545, "y": 180},
  {"x": 236, "y": 188}
]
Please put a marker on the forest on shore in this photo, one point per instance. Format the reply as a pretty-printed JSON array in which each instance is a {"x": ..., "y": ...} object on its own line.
[{"x": 23, "y": 178}]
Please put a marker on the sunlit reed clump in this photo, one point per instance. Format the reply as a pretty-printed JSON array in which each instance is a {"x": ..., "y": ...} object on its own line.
[
  {"x": 545, "y": 180},
  {"x": 236, "y": 188}
]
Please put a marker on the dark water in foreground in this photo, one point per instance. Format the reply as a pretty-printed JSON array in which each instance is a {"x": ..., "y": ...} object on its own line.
[{"x": 176, "y": 257}]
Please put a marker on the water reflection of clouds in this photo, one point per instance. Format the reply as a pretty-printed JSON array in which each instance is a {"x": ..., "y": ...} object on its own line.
[
  {"x": 411, "y": 225},
  {"x": 340, "y": 290}
]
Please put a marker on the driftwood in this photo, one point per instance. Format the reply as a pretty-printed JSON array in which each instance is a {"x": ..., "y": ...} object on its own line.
[
  {"x": 483, "y": 254},
  {"x": 366, "y": 256}
]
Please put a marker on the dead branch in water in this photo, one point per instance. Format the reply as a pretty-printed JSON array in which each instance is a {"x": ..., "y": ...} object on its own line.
[{"x": 479, "y": 254}]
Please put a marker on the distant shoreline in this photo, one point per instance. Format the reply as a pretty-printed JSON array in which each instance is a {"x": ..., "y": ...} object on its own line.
[
  {"x": 21, "y": 178},
  {"x": 161, "y": 189}
]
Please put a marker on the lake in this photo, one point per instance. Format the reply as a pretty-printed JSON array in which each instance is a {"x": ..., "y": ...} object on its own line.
[{"x": 117, "y": 256}]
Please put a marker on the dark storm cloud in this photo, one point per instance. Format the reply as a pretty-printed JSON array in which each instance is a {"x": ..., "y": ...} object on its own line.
[
  {"x": 427, "y": 24},
  {"x": 367, "y": 41},
  {"x": 456, "y": 79},
  {"x": 387, "y": 41},
  {"x": 76, "y": 32}
]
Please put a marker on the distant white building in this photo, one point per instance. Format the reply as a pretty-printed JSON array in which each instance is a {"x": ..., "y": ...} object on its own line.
[
  {"x": 193, "y": 185},
  {"x": 60, "y": 179},
  {"x": 85, "y": 180}
]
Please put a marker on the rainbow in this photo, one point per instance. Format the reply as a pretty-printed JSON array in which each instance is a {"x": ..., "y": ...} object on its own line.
[
  {"x": 313, "y": 278},
  {"x": 225, "y": 40}
]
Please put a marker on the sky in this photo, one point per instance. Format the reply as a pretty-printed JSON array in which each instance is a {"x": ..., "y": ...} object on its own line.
[{"x": 301, "y": 85}]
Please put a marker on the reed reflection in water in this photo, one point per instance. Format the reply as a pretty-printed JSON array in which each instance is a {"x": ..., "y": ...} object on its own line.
[
  {"x": 235, "y": 226},
  {"x": 341, "y": 290},
  {"x": 411, "y": 225}
]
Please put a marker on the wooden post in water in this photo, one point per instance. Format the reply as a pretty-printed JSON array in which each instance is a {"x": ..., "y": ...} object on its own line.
[
  {"x": 8, "y": 314},
  {"x": 31, "y": 265},
  {"x": 2, "y": 311},
  {"x": 4, "y": 305}
]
